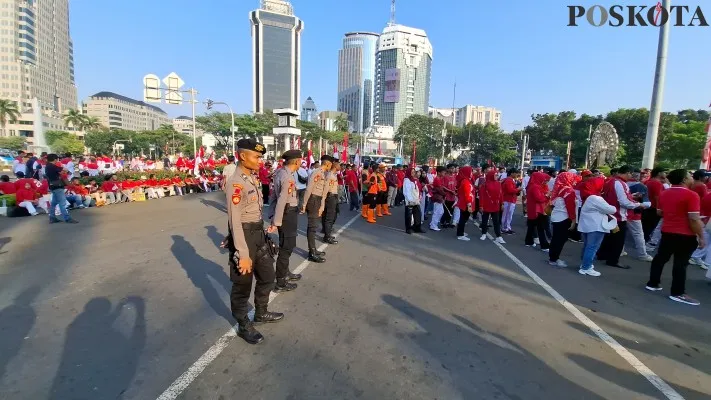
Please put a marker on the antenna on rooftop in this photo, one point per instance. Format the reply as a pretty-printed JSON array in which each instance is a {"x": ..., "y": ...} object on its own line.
[{"x": 392, "y": 13}]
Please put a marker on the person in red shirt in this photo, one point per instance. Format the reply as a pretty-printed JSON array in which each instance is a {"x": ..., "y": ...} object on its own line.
[
  {"x": 350, "y": 179},
  {"x": 682, "y": 232},
  {"x": 655, "y": 187},
  {"x": 265, "y": 177},
  {"x": 26, "y": 197},
  {"x": 490, "y": 200},
  {"x": 465, "y": 200},
  {"x": 701, "y": 178},
  {"x": 400, "y": 174},
  {"x": 449, "y": 181},
  {"x": 510, "y": 195},
  {"x": 77, "y": 195},
  {"x": 536, "y": 201},
  {"x": 178, "y": 185},
  {"x": 112, "y": 189},
  {"x": 7, "y": 187},
  {"x": 438, "y": 194}
]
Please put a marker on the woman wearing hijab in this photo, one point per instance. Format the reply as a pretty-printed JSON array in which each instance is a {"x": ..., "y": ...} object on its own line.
[
  {"x": 563, "y": 216},
  {"x": 536, "y": 202},
  {"x": 465, "y": 200},
  {"x": 593, "y": 215},
  {"x": 411, "y": 192},
  {"x": 490, "y": 200}
]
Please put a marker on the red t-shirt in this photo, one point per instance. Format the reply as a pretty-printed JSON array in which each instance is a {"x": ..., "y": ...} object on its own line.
[
  {"x": 128, "y": 184},
  {"x": 176, "y": 180},
  {"x": 110, "y": 186},
  {"x": 510, "y": 191},
  {"x": 654, "y": 190},
  {"x": 7, "y": 187},
  {"x": 700, "y": 189},
  {"x": 152, "y": 182},
  {"x": 401, "y": 178},
  {"x": 450, "y": 182},
  {"x": 676, "y": 204},
  {"x": 78, "y": 189},
  {"x": 25, "y": 195},
  {"x": 20, "y": 183},
  {"x": 706, "y": 208},
  {"x": 165, "y": 182}
]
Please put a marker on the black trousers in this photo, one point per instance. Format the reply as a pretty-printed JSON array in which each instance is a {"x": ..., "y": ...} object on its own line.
[
  {"x": 330, "y": 212},
  {"x": 312, "y": 209},
  {"x": 495, "y": 219},
  {"x": 650, "y": 219},
  {"x": 262, "y": 269},
  {"x": 612, "y": 245},
  {"x": 560, "y": 237},
  {"x": 679, "y": 246},
  {"x": 354, "y": 201},
  {"x": 410, "y": 212},
  {"x": 287, "y": 241},
  {"x": 382, "y": 198},
  {"x": 399, "y": 197},
  {"x": 265, "y": 193},
  {"x": 538, "y": 225},
  {"x": 574, "y": 234},
  {"x": 463, "y": 218},
  {"x": 448, "y": 213}
]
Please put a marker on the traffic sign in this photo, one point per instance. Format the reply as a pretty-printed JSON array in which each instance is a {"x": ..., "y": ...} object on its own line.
[
  {"x": 151, "y": 88},
  {"x": 174, "y": 97},
  {"x": 173, "y": 81}
]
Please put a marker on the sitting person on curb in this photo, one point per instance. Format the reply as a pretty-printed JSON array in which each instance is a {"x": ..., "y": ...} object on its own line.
[{"x": 27, "y": 197}]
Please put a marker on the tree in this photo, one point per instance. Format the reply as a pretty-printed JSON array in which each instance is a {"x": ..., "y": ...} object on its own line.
[
  {"x": 64, "y": 142},
  {"x": 426, "y": 132},
  {"x": 91, "y": 123},
  {"x": 74, "y": 118},
  {"x": 341, "y": 124},
  {"x": 683, "y": 147},
  {"x": 487, "y": 142},
  {"x": 8, "y": 112},
  {"x": 15, "y": 143}
]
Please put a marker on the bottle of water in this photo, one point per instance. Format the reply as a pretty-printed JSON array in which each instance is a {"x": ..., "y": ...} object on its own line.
[{"x": 4, "y": 202}]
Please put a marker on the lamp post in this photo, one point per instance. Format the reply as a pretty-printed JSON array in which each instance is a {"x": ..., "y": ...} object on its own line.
[{"x": 209, "y": 103}]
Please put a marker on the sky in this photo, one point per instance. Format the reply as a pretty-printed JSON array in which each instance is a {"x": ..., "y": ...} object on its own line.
[{"x": 522, "y": 59}]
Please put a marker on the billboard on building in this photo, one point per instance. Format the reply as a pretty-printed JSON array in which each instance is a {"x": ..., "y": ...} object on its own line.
[{"x": 392, "y": 85}]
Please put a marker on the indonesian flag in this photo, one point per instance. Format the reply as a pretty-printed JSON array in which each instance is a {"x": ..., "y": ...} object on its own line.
[
  {"x": 379, "y": 151},
  {"x": 335, "y": 151},
  {"x": 356, "y": 160},
  {"x": 706, "y": 155},
  {"x": 201, "y": 152},
  {"x": 309, "y": 157},
  {"x": 413, "y": 161}
]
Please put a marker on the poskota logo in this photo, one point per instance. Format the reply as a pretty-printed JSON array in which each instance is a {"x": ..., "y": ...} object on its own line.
[{"x": 640, "y": 15}]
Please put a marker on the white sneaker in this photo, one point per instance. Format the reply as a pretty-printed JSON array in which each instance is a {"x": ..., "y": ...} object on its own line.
[
  {"x": 646, "y": 257},
  {"x": 545, "y": 250},
  {"x": 532, "y": 245},
  {"x": 500, "y": 240},
  {"x": 558, "y": 263},
  {"x": 590, "y": 272},
  {"x": 694, "y": 261},
  {"x": 624, "y": 253},
  {"x": 483, "y": 237},
  {"x": 434, "y": 228},
  {"x": 463, "y": 238},
  {"x": 536, "y": 241},
  {"x": 704, "y": 265},
  {"x": 34, "y": 213},
  {"x": 466, "y": 234}
]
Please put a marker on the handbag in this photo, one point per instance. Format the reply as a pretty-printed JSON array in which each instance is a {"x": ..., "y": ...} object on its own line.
[{"x": 610, "y": 223}]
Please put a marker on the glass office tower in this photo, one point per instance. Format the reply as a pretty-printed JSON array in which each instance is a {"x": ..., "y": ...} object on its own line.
[{"x": 356, "y": 77}]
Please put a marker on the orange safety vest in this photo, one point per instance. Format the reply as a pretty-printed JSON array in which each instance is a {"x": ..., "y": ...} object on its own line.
[
  {"x": 373, "y": 189},
  {"x": 382, "y": 185}
]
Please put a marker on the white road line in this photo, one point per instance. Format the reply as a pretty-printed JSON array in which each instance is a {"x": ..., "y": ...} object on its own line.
[
  {"x": 184, "y": 380},
  {"x": 653, "y": 378}
]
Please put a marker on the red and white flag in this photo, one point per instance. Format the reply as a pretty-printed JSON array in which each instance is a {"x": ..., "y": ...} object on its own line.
[
  {"x": 309, "y": 157},
  {"x": 356, "y": 160},
  {"x": 335, "y": 151},
  {"x": 413, "y": 161}
]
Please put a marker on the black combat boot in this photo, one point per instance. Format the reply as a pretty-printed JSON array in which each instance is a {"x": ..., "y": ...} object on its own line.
[
  {"x": 315, "y": 257},
  {"x": 247, "y": 332},
  {"x": 330, "y": 240},
  {"x": 263, "y": 316},
  {"x": 293, "y": 277},
  {"x": 283, "y": 285}
]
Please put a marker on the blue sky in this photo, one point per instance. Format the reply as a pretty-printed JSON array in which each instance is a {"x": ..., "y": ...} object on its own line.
[{"x": 522, "y": 59}]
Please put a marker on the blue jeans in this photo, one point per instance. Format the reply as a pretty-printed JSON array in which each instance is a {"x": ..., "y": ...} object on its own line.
[
  {"x": 58, "y": 199},
  {"x": 591, "y": 244}
]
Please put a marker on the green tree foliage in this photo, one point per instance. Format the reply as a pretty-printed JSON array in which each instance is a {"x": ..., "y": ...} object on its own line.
[
  {"x": 62, "y": 142},
  {"x": 165, "y": 140},
  {"x": 683, "y": 146},
  {"x": 426, "y": 132},
  {"x": 487, "y": 142},
  {"x": 9, "y": 112},
  {"x": 15, "y": 143}
]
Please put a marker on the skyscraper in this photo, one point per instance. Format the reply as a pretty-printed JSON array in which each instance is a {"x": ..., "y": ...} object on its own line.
[
  {"x": 403, "y": 75},
  {"x": 276, "y": 56},
  {"x": 309, "y": 112},
  {"x": 356, "y": 78},
  {"x": 36, "y": 64}
]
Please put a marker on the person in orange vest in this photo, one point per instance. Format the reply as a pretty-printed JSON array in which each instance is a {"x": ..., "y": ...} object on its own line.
[
  {"x": 382, "y": 207},
  {"x": 370, "y": 199}
]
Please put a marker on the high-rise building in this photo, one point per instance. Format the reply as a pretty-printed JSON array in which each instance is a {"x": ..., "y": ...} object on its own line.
[
  {"x": 36, "y": 64},
  {"x": 184, "y": 124},
  {"x": 403, "y": 75},
  {"x": 309, "y": 112},
  {"x": 447, "y": 115},
  {"x": 327, "y": 119},
  {"x": 121, "y": 112},
  {"x": 470, "y": 114},
  {"x": 356, "y": 78},
  {"x": 276, "y": 56}
]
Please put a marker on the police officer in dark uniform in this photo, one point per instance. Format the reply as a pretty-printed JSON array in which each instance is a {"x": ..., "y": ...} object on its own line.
[
  {"x": 328, "y": 218},
  {"x": 315, "y": 200},
  {"x": 284, "y": 215},
  {"x": 249, "y": 251}
]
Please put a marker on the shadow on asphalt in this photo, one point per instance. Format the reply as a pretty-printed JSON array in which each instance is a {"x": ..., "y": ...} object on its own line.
[
  {"x": 99, "y": 361},
  {"x": 623, "y": 378},
  {"x": 16, "y": 321},
  {"x": 3, "y": 242},
  {"x": 202, "y": 272},
  {"x": 470, "y": 348},
  {"x": 216, "y": 237},
  {"x": 220, "y": 206}
]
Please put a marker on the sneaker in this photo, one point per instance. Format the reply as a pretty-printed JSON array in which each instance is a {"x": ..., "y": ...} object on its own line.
[
  {"x": 558, "y": 263},
  {"x": 512, "y": 232},
  {"x": 531, "y": 245},
  {"x": 434, "y": 228},
  {"x": 685, "y": 299},
  {"x": 536, "y": 241},
  {"x": 466, "y": 234},
  {"x": 704, "y": 265},
  {"x": 694, "y": 261},
  {"x": 500, "y": 240},
  {"x": 646, "y": 257},
  {"x": 546, "y": 250},
  {"x": 589, "y": 271},
  {"x": 653, "y": 288},
  {"x": 463, "y": 238},
  {"x": 624, "y": 253},
  {"x": 483, "y": 237}
]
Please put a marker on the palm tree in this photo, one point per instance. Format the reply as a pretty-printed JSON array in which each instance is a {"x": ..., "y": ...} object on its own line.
[
  {"x": 91, "y": 123},
  {"x": 341, "y": 124},
  {"x": 8, "y": 112},
  {"x": 75, "y": 118}
]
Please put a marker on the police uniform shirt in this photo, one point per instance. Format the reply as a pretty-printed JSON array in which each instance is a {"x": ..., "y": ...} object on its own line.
[
  {"x": 317, "y": 187},
  {"x": 244, "y": 201},
  {"x": 332, "y": 179},
  {"x": 285, "y": 192}
]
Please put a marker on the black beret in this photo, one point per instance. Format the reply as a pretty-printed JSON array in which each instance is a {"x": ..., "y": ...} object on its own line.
[
  {"x": 291, "y": 155},
  {"x": 251, "y": 144}
]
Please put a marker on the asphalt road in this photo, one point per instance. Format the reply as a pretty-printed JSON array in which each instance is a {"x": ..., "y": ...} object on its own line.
[{"x": 132, "y": 301}]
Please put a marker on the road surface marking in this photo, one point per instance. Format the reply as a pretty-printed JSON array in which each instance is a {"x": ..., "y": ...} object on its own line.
[
  {"x": 184, "y": 380},
  {"x": 653, "y": 378}
]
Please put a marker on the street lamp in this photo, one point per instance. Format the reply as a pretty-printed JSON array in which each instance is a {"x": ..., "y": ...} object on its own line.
[
  {"x": 130, "y": 140},
  {"x": 209, "y": 103}
]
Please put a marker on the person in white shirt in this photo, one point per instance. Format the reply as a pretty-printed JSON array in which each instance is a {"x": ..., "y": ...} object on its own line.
[
  {"x": 594, "y": 222},
  {"x": 18, "y": 164},
  {"x": 524, "y": 184},
  {"x": 411, "y": 192},
  {"x": 70, "y": 166},
  {"x": 229, "y": 169},
  {"x": 301, "y": 177}
]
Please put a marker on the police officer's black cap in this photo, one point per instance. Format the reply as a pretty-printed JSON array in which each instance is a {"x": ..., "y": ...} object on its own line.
[
  {"x": 251, "y": 144},
  {"x": 291, "y": 155},
  {"x": 326, "y": 157}
]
